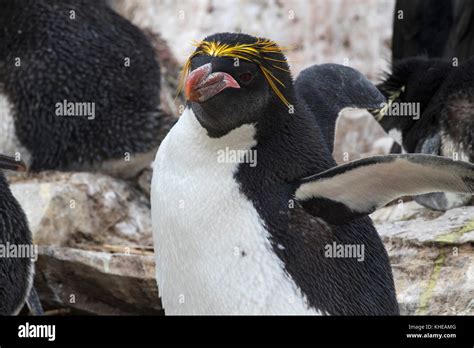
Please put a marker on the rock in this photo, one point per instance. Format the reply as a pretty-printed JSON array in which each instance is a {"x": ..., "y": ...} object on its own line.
[
  {"x": 403, "y": 210},
  {"x": 67, "y": 209},
  {"x": 96, "y": 282},
  {"x": 95, "y": 239},
  {"x": 432, "y": 257},
  {"x": 96, "y": 254},
  {"x": 425, "y": 227}
]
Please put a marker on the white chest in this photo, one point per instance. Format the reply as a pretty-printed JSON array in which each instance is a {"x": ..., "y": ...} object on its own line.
[
  {"x": 9, "y": 143},
  {"x": 213, "y": 255}
]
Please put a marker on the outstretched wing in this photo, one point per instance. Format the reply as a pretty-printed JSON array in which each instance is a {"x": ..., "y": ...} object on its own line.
[{"x": 357, "y": 188}]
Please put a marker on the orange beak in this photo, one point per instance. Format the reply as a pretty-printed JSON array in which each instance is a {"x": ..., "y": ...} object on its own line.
[{"x": 203, "y": 84}]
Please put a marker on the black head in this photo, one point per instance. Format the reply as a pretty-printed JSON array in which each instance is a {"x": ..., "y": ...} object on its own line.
[
  {"x": 236, "y": 79},
  {"x": 413, "y": 80}
]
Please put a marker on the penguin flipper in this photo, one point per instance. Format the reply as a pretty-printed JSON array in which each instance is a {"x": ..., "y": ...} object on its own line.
[
  {"x": 434, "y": 200},
  {"x": 327, "y": 89},
  {"x": 357, "y": 188},
  {"x": 33, "y": 302}
]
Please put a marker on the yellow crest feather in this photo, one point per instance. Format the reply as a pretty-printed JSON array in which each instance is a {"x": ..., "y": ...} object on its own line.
[
  {"x": 252, "y": 52},
  {"x": 380, "y": 113}
]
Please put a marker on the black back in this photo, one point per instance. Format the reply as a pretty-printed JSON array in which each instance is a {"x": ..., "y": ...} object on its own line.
[
  {"x": 436, "y": 29},
  {"x": 454, "y": 107},
  {"x": 423, "y": 30},
  {"x": 421, "y": 79},
  {"x": 446, "y": 97},
  {"x": 337, "y": 286},
  {"x": 461, "y": 38},
  {"x": 78, "y": 60},
  {"x": 14, "y": 271}
]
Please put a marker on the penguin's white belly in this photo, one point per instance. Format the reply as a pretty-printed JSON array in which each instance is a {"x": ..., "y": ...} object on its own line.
[
  {"x": 213, "y": 254},
  {"x": 9, "y": 143}
]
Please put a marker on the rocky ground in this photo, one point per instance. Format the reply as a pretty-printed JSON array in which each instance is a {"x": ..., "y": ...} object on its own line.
[
  {"x": 432, "y": 257},
  {"x": 96, "y": 248}
]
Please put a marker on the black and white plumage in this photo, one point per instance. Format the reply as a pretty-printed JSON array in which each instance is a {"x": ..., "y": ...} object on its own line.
[
  {"x": 319, "y": 88},
  {"x": 16, "y": 273},
  {"x": 236, "y": 236},
  {"x": 445, "y": 123},
  {"x": 79, "y": 52},
  {"x": 414, "y": 174},
  {"x": 435, "y": 29}
]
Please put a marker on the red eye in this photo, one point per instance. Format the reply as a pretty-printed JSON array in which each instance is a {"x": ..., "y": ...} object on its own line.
[{"x": 245, "y": 77}]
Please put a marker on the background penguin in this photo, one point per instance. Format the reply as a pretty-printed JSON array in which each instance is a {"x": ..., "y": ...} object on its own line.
[
  {"x": 319, "y": 88},
  {"x": 445, "y": 124},
  {"x": 236, "y": 236},
  {"x": 16, "y": 274},
  {"x": 78, "y": 51},
  {"x": 421, "y": 27},
  {"x": 435, "y": 29}
]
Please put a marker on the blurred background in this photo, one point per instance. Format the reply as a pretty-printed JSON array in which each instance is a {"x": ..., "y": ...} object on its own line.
[
  {"x": 354, "y": 32},
  {"x": 357, "y": 33}
]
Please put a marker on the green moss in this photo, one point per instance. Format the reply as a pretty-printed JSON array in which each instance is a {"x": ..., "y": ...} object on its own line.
[
  {"x": 452, "y": 237},
  {"x": 428, "y": 292},
  {"x": 447, "y": 238}
]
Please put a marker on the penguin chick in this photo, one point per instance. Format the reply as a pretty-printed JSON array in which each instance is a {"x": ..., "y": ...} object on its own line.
[
  {"x": 16, "y": 272},
  {"x": 80, "y": 87},
  {"x": 248, "y": 203},
  {"x": 443, "y": 97}
]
